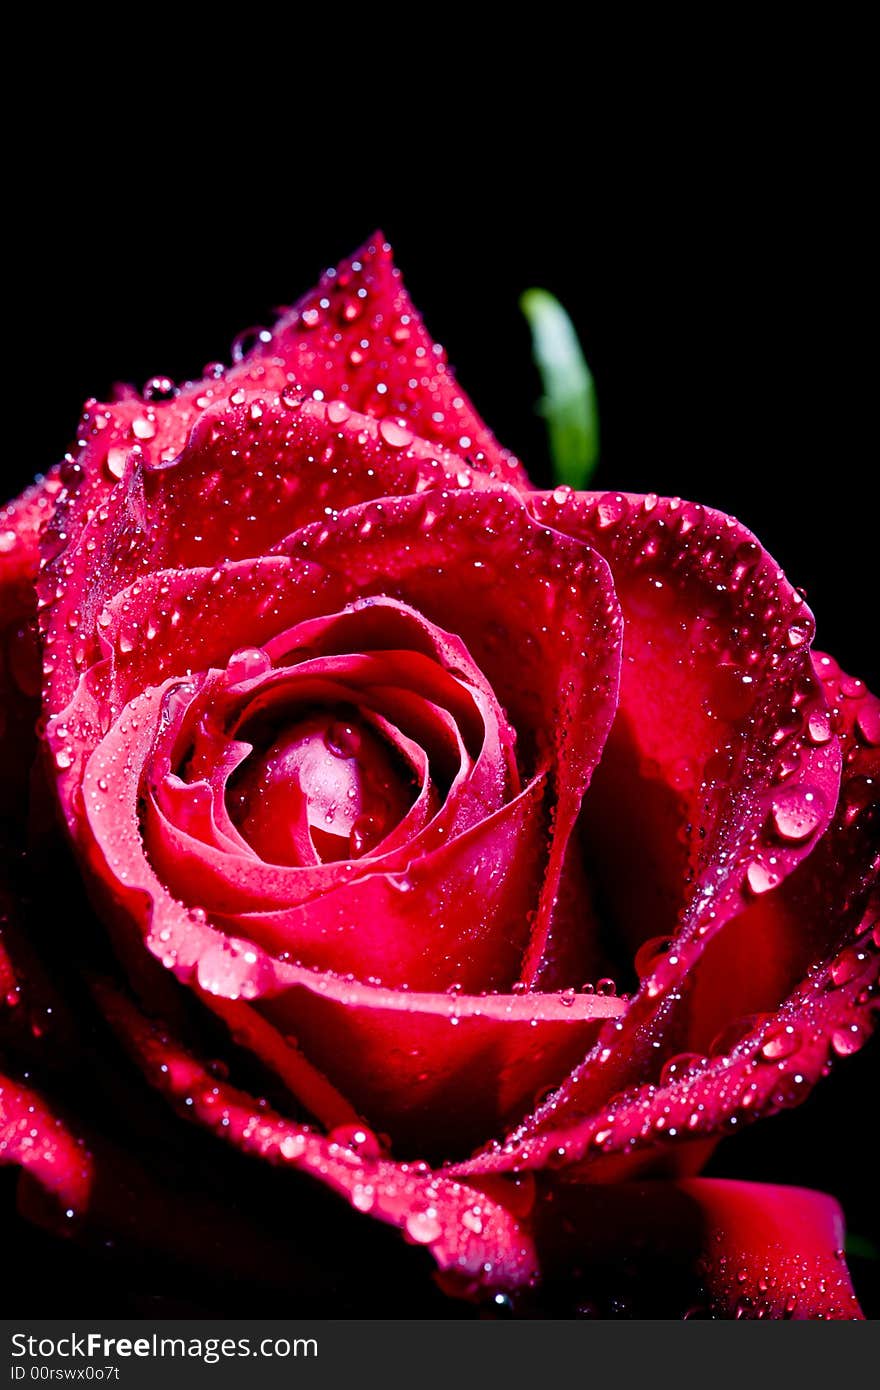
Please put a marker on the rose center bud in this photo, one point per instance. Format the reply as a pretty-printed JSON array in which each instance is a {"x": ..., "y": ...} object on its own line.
[{"x": 327, "y": 780}]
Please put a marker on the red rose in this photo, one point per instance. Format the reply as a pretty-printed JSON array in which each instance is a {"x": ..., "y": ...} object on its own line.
[{"x": 370, "y": 756}]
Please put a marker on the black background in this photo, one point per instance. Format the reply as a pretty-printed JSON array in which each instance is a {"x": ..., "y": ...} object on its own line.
[{"x": 714, "y": 258}]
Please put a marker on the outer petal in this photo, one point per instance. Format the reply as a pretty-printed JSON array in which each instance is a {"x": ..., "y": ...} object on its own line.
[
  {"x": 36, "y": 1139},
  {"x": 821, "y": 909},
  {"x": 254, "y": 467},
  {"x": 702, "y": 1248},
  {"x": 358, "y": 338},
  {"x": 717, "y": 706},
  {"x": 464, "y": 1230},
  {"x": 392, "y": 1052},
  {"x": 317, "y": 349},
  {"x": 20, "y": 525},
  {"x": 816, "y": 1002}
]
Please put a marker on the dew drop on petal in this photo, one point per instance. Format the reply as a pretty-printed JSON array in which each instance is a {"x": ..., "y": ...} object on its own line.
[
  {"x": 780, "y": 1043},
  {"x": 797, "y": 814},
  {"x": 115, "y": 462},
  {"x": 819, "y": 726},
  {"x": 848, "y": 965},
  {"x": 760, "y": 878},
  {"x": 846, "y": 1041},
  {"x": 396, "y": 436},
  {"x": 144, "y": 427},
  {"x": 423, "y": 1226},
  {"x": 363, "y": 1196}
]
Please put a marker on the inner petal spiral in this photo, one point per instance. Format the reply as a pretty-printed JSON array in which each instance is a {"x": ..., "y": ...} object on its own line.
[{"x": 329, "y": 786}]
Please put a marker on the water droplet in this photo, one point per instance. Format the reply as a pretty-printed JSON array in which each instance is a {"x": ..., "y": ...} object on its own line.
[
  {"x": 343, "y": 740},
  {"x": 246, "y": 663},
  {"x": 612, "y": 508},
  {"x": 472, "y": 1220},
  {"x": 819, "y": 726},
  {"x": 760, "y": 877},
  {"x": 680, "y": 1065},
  {"x": 851, "y": 687},
  {"x": 115, "y": 462},
  {"x": 848, "y": 966},
  {"x": 423, "y": 1226},
  {"x": 650, "y": 954},
  {"x": 363, "y": 1196},
  {"x": 159, "y": 388},
  {"x": 396, "y": 435},
  {"x": 780, "y": 1043},
  {"x": 846, "y": 1041},
  {"x": 247, "y": 340},
  {"x": 358, "y": 1138},
  {"x": 292, "y": 1146},
  {"x": 797, "y": 814}
]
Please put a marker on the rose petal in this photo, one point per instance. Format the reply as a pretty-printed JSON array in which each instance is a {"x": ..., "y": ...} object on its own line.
[
  {"x": 20, "y": 675},
  {"x": 399, "y": 374},
  {"x": 241, "y": 486},
  {"x": 463, "y": 1229},
  {"x": 704, "y": 1248},
  {"x": 769, "y": 949},
  {"x": 36, "y": 1139},
  {"x": 685, "y": 572},
  {"x": 824, "y": 920},
  {"x": 453, "y": 915},
  {"x": 313, "y": 352},
  {"x": 401, "y": 1056}
]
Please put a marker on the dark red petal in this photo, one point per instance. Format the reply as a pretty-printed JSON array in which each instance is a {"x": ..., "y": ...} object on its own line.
[
  {"x": 455, "y": 907},
  {"x": 704, "y": 1248},
  {"x": 438, "y": 1072},
  {"x": 768, "y": 950},
  {"x": 464, "y": 1230},
  {"x": 455, "y": 915},
  {"x": 520, "y": 1041},
  {"x": 825, "y": 922},
  {"x": 20, "y": 673},
  {"x": 544, "y": 632},
  {"x": 358, "y": 338},
  {"x": 251, "y": 471},
  {"x": 21, "y": 523},
  {"x": 35, "y": 1138},
  {"x": 705, "y": 610},
  {"x": 315, "y": 352}
]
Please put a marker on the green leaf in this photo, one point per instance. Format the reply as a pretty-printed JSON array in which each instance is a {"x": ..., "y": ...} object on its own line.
[{"x": 569, "y": 402}]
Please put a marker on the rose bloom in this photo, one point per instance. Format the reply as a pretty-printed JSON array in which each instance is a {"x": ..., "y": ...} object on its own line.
[{"x": 480, "y": 854}]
